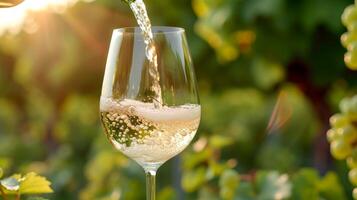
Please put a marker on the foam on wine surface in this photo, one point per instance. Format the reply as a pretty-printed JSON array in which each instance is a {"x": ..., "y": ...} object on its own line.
[{"x": 147, "y": 134}]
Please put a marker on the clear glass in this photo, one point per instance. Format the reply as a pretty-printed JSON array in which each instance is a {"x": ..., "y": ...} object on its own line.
[{"x": 134, "y": 124}]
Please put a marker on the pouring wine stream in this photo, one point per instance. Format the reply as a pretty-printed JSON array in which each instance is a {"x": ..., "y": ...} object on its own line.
[{"x": 139, "y": 9}]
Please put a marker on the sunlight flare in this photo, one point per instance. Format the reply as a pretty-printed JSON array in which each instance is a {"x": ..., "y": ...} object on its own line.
[{"x": 14, "y": 19}]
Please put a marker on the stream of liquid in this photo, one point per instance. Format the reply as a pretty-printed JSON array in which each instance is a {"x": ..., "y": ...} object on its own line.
[{"x": 139, "y": 9}]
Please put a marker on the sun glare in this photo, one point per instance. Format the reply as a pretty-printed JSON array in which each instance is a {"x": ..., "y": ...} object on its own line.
[{"x": 15, "y": 19}]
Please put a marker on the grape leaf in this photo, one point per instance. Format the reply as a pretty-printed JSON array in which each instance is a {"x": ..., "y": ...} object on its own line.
[
  {"x": 1, "y": 172},
  {"x": 10, "y": 184},
  {"x": 31, "y": 183},
  {"x": 330, "y": 188},
  {"x": 307, "y": 185}
]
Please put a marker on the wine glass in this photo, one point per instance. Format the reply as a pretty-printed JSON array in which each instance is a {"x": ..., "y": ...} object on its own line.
[{"x": 135, "y": 123}]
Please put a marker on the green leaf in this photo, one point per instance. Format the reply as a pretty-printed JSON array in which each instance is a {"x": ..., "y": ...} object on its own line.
[
  {"x": 305, "y": 185},
  {"x": 1, "y": 172},
  {"x": 34, "y": 184},
  {"x": 10, "y": 184},
  {"x": 272, "y": 185},
  {"x": 330, "y": 188}
]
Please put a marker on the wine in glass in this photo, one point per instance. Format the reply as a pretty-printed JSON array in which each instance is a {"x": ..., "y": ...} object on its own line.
[{"x": 149, "y": 103}]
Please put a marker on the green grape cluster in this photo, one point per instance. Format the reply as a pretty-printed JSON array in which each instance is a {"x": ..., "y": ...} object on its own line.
[
  {"x": 349, "y": 39},
  {"x": 343, "y": 137}
]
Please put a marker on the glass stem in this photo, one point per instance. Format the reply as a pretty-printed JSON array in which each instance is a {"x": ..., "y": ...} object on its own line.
[{"x": 150, "y": 184}]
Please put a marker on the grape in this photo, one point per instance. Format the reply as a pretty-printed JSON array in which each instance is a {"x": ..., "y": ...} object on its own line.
[
  {"x": 332, "y": 135},
  {"x": 338, "y": 120},
  {"x": 352, "y": 162},
  {"x": 345, "y": 105},
  {"x": 352, "y": 27},
  {"x": 352, "y": 47},
  {"x": 354, "y": 194},
  {"x": 340, "y": 149},
  {"x": 348, "y": 133},
  {"x": 349, "y": 15},
  {"x": 349, "y": 107},
  {"x": 353, "y": 107},
  {"x": 352, "y": 175},
  {"x": 348, "y": 38},
  {"x": 351, "y": 60}
]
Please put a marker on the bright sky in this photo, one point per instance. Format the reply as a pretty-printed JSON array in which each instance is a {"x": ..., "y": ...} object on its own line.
[{"x": 15, "y": 19}]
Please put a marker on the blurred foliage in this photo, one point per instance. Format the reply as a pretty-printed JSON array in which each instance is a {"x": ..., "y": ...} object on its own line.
[{"x": 270, "y": 74}]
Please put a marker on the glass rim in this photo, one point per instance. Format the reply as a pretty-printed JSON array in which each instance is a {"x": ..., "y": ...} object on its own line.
[{"x": 156, "y": 30}]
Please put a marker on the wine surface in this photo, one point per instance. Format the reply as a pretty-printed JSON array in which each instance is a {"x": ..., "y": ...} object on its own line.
[{"x": 147, "y": 134}]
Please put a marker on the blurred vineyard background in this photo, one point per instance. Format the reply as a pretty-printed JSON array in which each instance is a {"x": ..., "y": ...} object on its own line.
[{"x": 270, "y": 75}]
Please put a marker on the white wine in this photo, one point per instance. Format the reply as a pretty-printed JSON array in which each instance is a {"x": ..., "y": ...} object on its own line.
[{"x": 147, "y": 134}]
